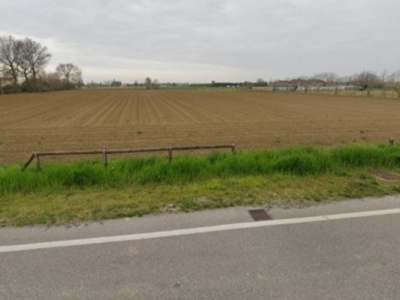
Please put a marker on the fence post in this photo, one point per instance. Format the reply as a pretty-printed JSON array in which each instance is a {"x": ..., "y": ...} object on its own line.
[
  {"x": 170, "y": 154},
  {"x": 105, "y": 152},
  {"x": 28, "y": 162},
  {"x": 37, "y": 161},
  {"x": 105, "y": 158}
]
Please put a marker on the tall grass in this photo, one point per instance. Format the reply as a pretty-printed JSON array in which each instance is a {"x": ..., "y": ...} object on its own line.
[{"x": 299, "y": 161}]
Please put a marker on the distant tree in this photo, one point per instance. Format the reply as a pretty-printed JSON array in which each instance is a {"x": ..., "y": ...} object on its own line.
[
  {"x": 33, "y": 59},
  {"x": 328, "y": 77},
  {"x": 155, "y": 84},
  {"x": 71, "y": 74},
  {"x": 147, "y": 82},
  {"x": 368, "y": 80},
  {"x": 393, "y": 79},
  {"x": 77, "y": 79},
  {"x": 52, "y": 81},
  {"x": 115, "y": 83},
  {"x": 136, "y": 83},
  {"x": 23, "y": 63},
  {"x": 261, "y": 82},
  {"x": 9, "y": 57},
  {"x": 393, "y": 82},
  {"x": 384, "y": 77},
  {"x": 247, "y": 84},
  {"x": 107, "y": 83}
]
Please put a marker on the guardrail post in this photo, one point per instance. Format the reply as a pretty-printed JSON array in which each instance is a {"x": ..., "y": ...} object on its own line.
[
  {"x": 105, "y": 158},
  {"x": 170, "y": 154}
]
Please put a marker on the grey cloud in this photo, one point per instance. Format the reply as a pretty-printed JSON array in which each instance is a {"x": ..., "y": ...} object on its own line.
[{"x": 264, "y": 38}]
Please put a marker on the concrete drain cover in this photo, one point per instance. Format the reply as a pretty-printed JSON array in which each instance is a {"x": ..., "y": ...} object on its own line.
[
  {"x": 259, "y": 215},
  {"x": 387, "y": 175}
]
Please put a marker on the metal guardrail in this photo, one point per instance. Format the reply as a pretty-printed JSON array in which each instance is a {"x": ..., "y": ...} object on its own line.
[{"x": 105, "y": 152}]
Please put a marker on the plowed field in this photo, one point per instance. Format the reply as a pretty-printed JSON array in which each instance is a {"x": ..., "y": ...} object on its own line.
[{"x": 92, "y": 119}]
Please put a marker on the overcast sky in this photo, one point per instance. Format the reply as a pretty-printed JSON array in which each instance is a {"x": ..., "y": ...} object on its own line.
[{"x": 204, "y": 40}]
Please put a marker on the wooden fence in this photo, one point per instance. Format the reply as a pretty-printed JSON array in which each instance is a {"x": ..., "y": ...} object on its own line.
[{"x": 105, "y": 152}]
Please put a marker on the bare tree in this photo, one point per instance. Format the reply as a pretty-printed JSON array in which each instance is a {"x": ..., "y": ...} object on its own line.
[
  {"x": 394, "y": 82},
  {"x": 155, "y": 84},
  {"x": 328, "y": 77},
  {"x": 383, "y": 78},
  {"x": 70, "y": 73},
  {"x": 368, "y": 80},
  {"x": 51, "y": 80},
  {"x": 23, "y": 63},
  {"x": 147, "y": 82},
  {"x": 9, "y": 57},
  {"x": 33, "y": 59},
  {"x": 76, "y": 78},
  {"x": 393, "y": 79},
  {"x": 261, "y": 82}
]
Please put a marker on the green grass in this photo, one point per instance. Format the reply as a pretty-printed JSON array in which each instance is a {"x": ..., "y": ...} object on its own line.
[
  {"x": 299, "y": 161},
  {"x": 82, "y": 191}
]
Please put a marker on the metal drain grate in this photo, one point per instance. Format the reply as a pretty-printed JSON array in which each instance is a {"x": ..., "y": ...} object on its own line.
[{"x": 259, "y": 215}]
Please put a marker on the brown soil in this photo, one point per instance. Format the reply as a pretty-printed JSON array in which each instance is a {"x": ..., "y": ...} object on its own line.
[{"x": 97, "y": 119}]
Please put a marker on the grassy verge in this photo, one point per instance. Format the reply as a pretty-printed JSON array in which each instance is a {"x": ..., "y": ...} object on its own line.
[{"x": 83, "y": 191}]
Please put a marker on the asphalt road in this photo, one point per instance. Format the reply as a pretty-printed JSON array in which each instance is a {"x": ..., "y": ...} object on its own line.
[{"x": 347, "y": 258}]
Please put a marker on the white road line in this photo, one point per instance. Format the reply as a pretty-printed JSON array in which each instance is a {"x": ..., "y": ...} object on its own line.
[{"x": 191, "y": 231}]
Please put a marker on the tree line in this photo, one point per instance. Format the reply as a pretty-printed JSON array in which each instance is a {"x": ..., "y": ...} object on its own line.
[
  {"x": 148, "y": 83},
  {"x": 22, "y": 68},
  {"x": 365, "y": 80}
]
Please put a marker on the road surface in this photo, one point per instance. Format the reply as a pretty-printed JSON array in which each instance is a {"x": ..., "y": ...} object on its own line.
[{"x": 348, "y": 250}]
